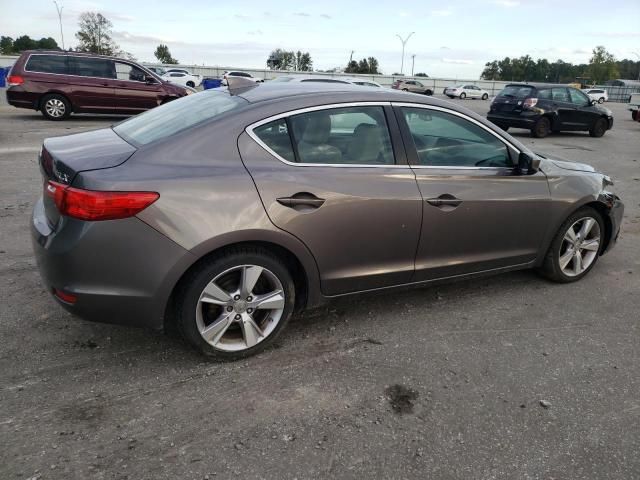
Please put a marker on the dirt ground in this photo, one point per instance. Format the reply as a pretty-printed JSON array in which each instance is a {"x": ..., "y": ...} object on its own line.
[{"x": 509, "y": 377}]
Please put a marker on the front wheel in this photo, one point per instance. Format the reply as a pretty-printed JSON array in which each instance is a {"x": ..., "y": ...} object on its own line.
[
  {"x": 542, "y": 128},
  {"x": 598, "y": 128},
  {"x": 601, "y": 100},
  {"x": 236, "y": 304},
  {"x": 575, "y": 248},
  {"x": 55, "y": 107},
  {"x": 191, "y": 84},
  {"x": 428, "y": 92},
  {"x": 485, "y": 96},
  {"x": 463, "y": 96}
]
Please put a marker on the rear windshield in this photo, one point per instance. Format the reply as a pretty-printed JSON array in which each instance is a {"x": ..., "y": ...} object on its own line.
[
  {"x": 176, "y": 116},
  {"x": 516, "y": 91}
]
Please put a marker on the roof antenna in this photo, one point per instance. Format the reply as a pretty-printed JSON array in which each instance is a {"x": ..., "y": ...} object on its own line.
[{"x": 238, "y": 85}]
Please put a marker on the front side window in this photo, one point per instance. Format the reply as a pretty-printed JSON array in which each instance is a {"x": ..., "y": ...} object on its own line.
[
  {"x": 124, "y": 71},
  {"x": 351, "y": 136},
  {"x": 446, "y": 140},
  {"x": 94, "y": 67},
  {"x": 559, "y": 94},
  {"x": 578, "y": 98},
  {"x": 47, "y": 64}
]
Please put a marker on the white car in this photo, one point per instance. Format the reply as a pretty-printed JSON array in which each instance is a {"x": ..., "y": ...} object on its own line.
[
  {"x": 235, "y": 73},
  {"x": 466, "y": 91},
  {"x": 598, "y": 94},
  {"x": 634, "y": 105},
  {"x": 182, "y": 77},
  {"x": 310, "y": 78},
  {"x": 363, "y": 82}
]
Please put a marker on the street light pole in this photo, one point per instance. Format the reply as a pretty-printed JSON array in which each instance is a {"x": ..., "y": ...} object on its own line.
[
  {"x": 59, "y": 10},
  {"x": 404, "y": 42},
  {"x": 413, "y": 61}
]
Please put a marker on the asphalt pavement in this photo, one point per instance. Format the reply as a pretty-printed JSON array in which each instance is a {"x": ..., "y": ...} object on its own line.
[{"x": 510, "y": 377}]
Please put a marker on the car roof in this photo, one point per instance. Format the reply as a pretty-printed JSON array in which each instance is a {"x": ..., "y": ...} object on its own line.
[{"x": 538, "y": 85}]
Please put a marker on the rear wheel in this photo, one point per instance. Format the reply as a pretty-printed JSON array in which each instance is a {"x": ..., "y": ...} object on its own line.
[
  {"x": 575, "y": 248},
  {"x": 542, "y": 128},
  {"x": 191, "y": 84},
  {"x": 601, "y": 100},
  {"x": 405, "y": 89},
  {"x": 428, "y": 92},
  {"x": 236, "y": 304},
  {"x": 55, "y": 107},
  {"x": 463, "y": 96},
  {"x": 598, "y": 128},
  {"x": 485, "y": 96}
]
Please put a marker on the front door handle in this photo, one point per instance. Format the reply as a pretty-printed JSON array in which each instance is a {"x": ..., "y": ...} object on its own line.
[
  {"x": 445, "y": 200},
  {"x": 301, "y": 201}
]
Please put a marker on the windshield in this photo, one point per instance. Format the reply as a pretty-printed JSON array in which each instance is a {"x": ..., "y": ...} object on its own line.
[
  {"x": 176, "y": 116},
  {"x": 517, "y": 91}
]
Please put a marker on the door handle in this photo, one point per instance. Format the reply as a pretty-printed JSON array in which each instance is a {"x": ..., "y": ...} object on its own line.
[
  {"x": 301, "y": 201},
  {"x": 445, "y": 200}
]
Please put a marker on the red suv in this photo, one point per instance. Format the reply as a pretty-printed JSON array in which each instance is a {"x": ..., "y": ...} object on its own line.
[{"x": 58, "y": 83}]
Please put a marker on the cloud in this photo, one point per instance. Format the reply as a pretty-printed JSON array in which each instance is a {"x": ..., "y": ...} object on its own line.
[
  {"x": 442, "y": 12},
  {"x": 241, "y": 16},
  {"x": 507, "y": 3},
  {"x": 581, "y": 51},
  {"x": 324, "y": 15},
  {"x": 301, "y": 14},
  {"x": 457, "y": 61},
  {"x": 255, "y": 32},
  {"x": 614, "y": 34},
  {"x": 445, "y": 48}
]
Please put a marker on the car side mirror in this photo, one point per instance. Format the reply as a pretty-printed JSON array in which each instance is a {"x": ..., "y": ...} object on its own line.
[{"x": 527, "y": 165}]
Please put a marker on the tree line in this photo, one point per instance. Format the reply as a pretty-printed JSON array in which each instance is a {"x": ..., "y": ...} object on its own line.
[{"x": 602, "y": 66}]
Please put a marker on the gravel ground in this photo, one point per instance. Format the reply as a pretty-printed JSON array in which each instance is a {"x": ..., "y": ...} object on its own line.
[{"x": 509, "y": 377}]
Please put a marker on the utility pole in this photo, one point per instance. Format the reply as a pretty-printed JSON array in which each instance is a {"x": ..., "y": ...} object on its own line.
[
  {"x": 59, "y": 10},
  {"x": 413, "y": 61},
  {"x": 404, "y": 42}
]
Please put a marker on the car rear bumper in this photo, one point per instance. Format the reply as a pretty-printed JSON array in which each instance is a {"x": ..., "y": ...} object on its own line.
[
  {"x": 17, "y": 97},
  {"x": 521, "y": 120},
  {"x": 121, "y": 271}
]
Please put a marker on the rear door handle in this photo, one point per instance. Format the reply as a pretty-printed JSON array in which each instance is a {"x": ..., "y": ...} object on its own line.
[
  {"x": 301, "y": 201},
  {"x": 445, "y": 200}
]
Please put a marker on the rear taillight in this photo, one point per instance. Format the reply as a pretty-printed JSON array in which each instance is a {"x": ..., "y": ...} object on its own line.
[
  {"x": 65, "y": 296},
  {"x": 14, "y": 80},
  {"x": 98, "y": 205},
  {"x": 529, "y": 103}
]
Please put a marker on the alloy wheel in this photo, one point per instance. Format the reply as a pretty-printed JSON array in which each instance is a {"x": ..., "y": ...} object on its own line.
[
  {"x": 240, "y": 308},
  {"x": 579, "y": 247},
  {"x": 55, "y": 107}
]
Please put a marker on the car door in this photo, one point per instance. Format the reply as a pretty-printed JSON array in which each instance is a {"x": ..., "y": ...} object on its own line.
[
  {"x": 332, "y": 177},
  {"x": 478, "y": 213},
  {"x": 417, "y": 87},
  {"x": 584, "y": 113},
  {"x": 93, "y": 85},
  {"x": 133, "y": 93},
  {"x": 564, "y": 109}
]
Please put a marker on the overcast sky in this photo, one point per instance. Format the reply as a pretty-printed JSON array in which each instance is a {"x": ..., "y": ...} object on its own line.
[{"x": 453, "y": 38}]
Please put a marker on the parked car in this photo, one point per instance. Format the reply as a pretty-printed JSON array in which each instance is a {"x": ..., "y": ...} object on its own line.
[
  {"x": 411, "y": 86},
  {"x": 309, "y": 79},
  {"x": 225, "y": 214},
  {"x": 545, "y": 108},
  {"x": 598, "y": 94},
  {"x": 182, "y": 77},
  {"x": 58, "y": 83},
  {"x": 466, "y": 91},
  {"x": 363, "y": 82},
  {"x": 634, "y": 105},
  {"x": 157, "y": 70},
  {"x": 234, "y": 73}
]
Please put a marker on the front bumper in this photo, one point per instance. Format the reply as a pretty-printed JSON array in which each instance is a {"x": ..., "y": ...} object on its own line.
[
  {"x": 121, "y": 271},
  {"x": 616, "y": 211}
]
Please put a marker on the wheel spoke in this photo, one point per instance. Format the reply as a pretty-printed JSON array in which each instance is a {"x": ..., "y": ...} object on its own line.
[
  {"x": 250, "y": 276},
  {"x": 592, "y": 245},
  {"x": 214, "y": 294},
  {"x": 217, "y": 329},
  {"x": 570, "y": 235},
  {"x": 270, "y": 301},
  {"x": 577, "y": 263},
  {"x": 565, "y": 259},
  {"x": 251, "y": 332},
  {"x": 587, "y": 225}
]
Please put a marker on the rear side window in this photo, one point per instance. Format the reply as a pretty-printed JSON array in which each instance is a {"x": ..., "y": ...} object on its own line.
[
  {"x": 94, "y": 67},
  {"x": 516, "y": 91},
  {"x": 48, "y": 64},
  {"x": 275, "y": 135},
  {"x": 177, "y": 116},
  {"x": 544, "y": 94},
  {"x": 559, "y": 94}
]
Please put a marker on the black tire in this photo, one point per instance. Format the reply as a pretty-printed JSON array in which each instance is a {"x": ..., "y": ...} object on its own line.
[
  {"x": 428, "y": 92},
  {"x": 405, "y": 89},
  {"x": 601, "y": 100},
  {"x": 463, "y": 96},
  {"x": 550, "y": 269},
  {"x": 55, "y": 107},
  {"x": 542, "y": 128},
  {"x": 634, "y": 115},
  {"x": 485, "y": 96},
  {"x": 598, "y": 128},
  {"x": 450, "y": 96},
  {"x": 192, "y": 286},
  {"x": 191, "y": 84}
]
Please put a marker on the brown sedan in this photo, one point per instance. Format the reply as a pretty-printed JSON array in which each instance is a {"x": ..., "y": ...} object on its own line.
[
  {"x": 413, "y": 86},
  {"x": 227, "y": 211}
]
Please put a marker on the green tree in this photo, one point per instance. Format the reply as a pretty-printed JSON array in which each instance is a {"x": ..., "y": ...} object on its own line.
[
  {"x": 373, "y": 66},
  {"x": 6, "y": 45},
  {"x": 280, "y": 59},
  {"x": 95, "y": 34},
  {"x": 421, "y": 74},
  {"x": 602, "y": 66},
  {"x": 366, "y": 65},
  {"x": 163, "y": 55},
  {"x": 25, "y": 42},
  {"x": 47, "y": 44},
  {"x": 302, "y": 62},
  {"x": 491, "y": 71}
]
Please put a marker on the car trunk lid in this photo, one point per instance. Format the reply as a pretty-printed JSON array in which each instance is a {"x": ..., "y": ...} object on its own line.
[{"x": 62, "y": 158}]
